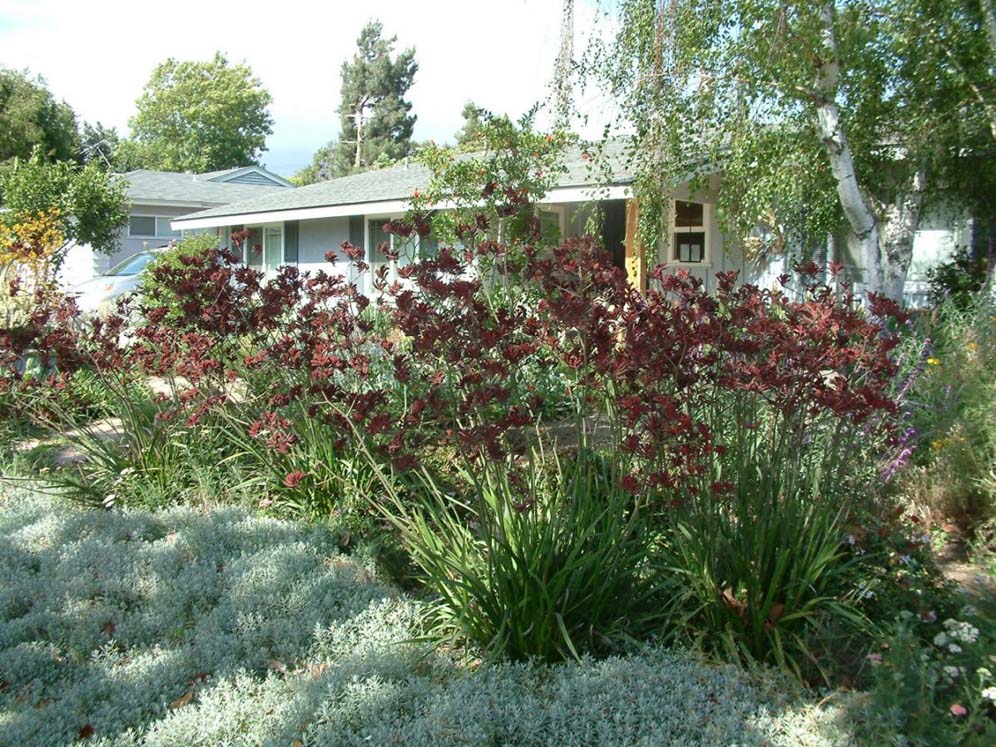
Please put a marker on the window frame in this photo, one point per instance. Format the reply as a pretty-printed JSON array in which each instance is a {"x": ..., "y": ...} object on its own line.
[
  {"x": 155, "y": 227},
  {"x": 705, "y": 229}
]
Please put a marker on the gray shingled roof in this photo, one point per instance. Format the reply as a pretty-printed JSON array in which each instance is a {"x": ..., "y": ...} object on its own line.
[
  {"x": 398, "y": 182},
  {"x": 169, "y": 186}
]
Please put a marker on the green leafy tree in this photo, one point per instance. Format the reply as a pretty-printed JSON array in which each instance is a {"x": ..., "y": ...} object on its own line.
[
  {"x": 201, "y": 116},
  {"x": 856, "y": 111},
  {"x": 100, "y": 145},
  {"x": 472, "y": 135},
  {"x": 92, "y": 204},
  {"x": 30, "y": 116},
  {"x": 321, "y": 167},
  {"x": 510, "y": 170},
  {"x": 375, "y": 119}
]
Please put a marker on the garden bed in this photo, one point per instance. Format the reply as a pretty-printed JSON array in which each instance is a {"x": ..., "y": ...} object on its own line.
[{"x": 189, "y": 627}]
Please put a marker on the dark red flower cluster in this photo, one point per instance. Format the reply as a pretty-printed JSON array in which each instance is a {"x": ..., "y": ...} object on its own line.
[{"x": 454, "y": 348}]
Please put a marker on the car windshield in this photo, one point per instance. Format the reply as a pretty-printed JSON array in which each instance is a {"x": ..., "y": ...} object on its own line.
[{"x": 132, "y": 265}]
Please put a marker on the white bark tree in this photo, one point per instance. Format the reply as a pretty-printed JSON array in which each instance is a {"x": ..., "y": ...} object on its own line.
[{"x": 820, "y": 114}]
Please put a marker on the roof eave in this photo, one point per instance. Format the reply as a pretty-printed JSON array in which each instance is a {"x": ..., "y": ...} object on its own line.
[{"x": 584, "y": 193}]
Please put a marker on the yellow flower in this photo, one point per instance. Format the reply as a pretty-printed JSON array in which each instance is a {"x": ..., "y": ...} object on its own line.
[
  {"x": 933, "y": 362},
  {"x": 937, "y": 445}
]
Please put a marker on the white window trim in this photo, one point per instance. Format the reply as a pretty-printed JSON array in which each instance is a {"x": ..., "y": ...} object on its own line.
[
  {"x": 706, "y": 229},
  {"x": 261, "y": 227},
  {"x": 156, "y": 235},
  {"x": 368, "y": 250}
]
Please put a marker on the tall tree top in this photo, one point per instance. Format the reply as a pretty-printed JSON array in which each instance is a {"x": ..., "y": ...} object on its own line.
[{"x": 376, "y": 119}]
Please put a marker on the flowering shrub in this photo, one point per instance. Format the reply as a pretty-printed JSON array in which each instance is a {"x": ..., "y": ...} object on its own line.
[
  {"x": 29, "y": 243},
  {"x": 934, "y": 682},
  {"x": 949, "y": 401}
]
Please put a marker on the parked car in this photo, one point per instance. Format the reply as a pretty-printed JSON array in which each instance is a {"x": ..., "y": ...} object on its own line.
[{"x": 101, "y": 293}]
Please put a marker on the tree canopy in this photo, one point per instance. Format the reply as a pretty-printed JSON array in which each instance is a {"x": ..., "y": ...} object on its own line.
[
  {"x": 854, "y": 111},
  {"x": 475, "y": 125},
  {"x": 91, "y": 204},
  {"x": 375, "y": 119},
  {"x": 30, "y": 116},
  {"x": 201, "y": 116}
]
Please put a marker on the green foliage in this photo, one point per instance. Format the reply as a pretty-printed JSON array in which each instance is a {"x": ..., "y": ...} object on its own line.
[
  {"x": 30, "y": 117},
  {"x": 764, "y": 570},
  {"x": 471, "y": 136},
  {"x": 375, "y": 118},
  {"x": 951, "y": 400},
  {"x": 154, "y": 293},
  {"x": 92, "y": 203},
  {"x": 100, "y": 145},
  {"x": 934, "y": 682},
  {"x": 511, "y": 162},
  {"x": 321, "y": 167},
  {"x": 316, "y": 478},
  {"x": 741, "y": 85},
  {"x": 546, "y": 569},
  {"x": 960, "y": 279},
  {"x": 186, "y": 627},
  {"x": 201, "y": 116}
]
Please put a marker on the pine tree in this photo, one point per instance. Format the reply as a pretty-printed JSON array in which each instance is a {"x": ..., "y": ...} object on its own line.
[{"x": 376, "y": 120}]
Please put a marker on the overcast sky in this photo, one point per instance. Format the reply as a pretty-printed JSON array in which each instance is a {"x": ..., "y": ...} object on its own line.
[{"x": 98, "y": 54}]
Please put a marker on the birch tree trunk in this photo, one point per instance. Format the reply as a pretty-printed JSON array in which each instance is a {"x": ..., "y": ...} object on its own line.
[
  {"x": 900, "y": 224},
  {"x": 857, "y": 209}
]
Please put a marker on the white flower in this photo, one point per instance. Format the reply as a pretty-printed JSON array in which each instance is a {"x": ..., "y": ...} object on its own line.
[
  {"x": 954, "y": 648},
  {"x": 961, "y": 631},
  {"x": 940, "y": 639},
  {"x": 951, "y": 672},
  {"x": 905, "y": 559},
  {"x": 990, "y": 694},
  {"x": 983, "y": 672}
]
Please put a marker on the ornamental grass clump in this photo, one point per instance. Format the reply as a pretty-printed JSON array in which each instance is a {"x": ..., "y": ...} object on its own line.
[{"x": 546, "y": 567}]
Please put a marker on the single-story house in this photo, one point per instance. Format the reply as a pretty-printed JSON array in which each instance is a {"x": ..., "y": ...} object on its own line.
[
  {"x": 159, "y": 197},
  {"x": 299, "y": 226}
]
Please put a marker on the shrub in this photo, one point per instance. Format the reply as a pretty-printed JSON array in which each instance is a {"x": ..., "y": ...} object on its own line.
[
  {"x": 951, "y": 395},
  {"x": 546, "y": 568},
  {"x": 958, "y": 280},
  {"x": 934, "y": 682}
]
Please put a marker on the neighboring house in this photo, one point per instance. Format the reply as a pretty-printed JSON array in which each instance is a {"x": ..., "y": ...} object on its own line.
[
  {"x": 159, "y": 197},
  {"x": 300, "y": 226}
]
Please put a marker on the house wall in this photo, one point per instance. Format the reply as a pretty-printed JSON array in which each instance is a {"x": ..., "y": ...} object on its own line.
[
  {"x": 943, "y": 230},
  {"x": 129, "y": 246},
  {"x": 723, "y": 256},
  {"x": 315, "y": 238},
  {"x": 82, "y": 263}
]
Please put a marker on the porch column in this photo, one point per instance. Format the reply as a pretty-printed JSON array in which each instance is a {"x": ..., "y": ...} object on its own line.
[{"x": 636, "y": 261}]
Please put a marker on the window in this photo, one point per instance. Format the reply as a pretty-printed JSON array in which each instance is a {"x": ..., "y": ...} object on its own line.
[
  {"x": 132, "y": 265},
  {"x": 551, "y": 224},
  {"x": 688, "y": 244},
  {"x": 142, "y": 225},
  {"x": 273, "y": 248},
  {"x": 152, "y": 226}
]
